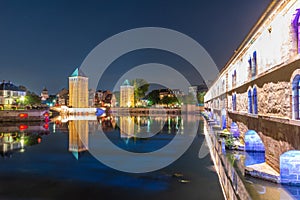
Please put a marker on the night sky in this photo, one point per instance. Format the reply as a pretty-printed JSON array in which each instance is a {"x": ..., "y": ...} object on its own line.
[{"x": 42, "y": 42}]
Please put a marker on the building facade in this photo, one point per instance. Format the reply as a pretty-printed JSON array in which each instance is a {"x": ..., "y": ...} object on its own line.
[
  {"x": 259, "y": 86},
  {"x": 10, "y": 94},
  {"x": 44, "y": 94},
  {"x": 126, "y": 95},
  {"x": 62, "y": 97},
  {"x": 78, "y": 90}
]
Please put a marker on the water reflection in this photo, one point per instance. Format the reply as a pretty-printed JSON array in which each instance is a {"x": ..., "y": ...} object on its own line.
[
  {"x": 127, "y": 126},
  {"x": 78, "y": 136},
  {"x": 147, "y": 126},
  {"x": 16, "y": 136},
  {"x": 140, "y": 128},
  {"x": 49, "y": 170}
]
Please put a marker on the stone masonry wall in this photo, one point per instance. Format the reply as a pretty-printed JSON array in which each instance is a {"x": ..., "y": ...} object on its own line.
[
  {"x": 242, "y": 102},
  {"x": 274, "y": 99}
]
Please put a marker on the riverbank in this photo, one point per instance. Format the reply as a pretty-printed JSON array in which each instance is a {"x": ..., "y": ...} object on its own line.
[
  {"x": 230, "y": 179},
  {"x": 157, "y": 110},
  {"x": 24, "y": 115}
]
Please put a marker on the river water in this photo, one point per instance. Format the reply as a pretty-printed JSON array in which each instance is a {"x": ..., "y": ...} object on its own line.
[{"x": 53, "y": 160}]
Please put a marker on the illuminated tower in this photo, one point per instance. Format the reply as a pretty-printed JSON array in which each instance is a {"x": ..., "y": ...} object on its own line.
[
  {"x": 126, "y": 95},
  {"x": 78, "y": 90},
  {"x": 44, "y": 94}
]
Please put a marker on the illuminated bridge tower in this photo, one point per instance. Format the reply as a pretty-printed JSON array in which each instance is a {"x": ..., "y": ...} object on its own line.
[
  {"x": 78, "y": 90},
  {"x": 126, "y": 95}
]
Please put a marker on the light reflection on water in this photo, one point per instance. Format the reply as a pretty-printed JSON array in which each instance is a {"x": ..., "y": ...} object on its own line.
[{"x": 61, "y": 167}]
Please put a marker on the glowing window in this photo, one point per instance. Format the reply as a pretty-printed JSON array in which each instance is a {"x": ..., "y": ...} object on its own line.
[
  {"x": 250, "y": 101},
  {"x": 255, "y": 110},
  {"x": 296, "y": 96}
]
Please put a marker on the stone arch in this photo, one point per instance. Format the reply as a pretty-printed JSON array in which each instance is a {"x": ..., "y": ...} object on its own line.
[
  {"x": 254, "y": 147},
  {"x": 223, "y": 118},
  {"x": 253, "y": 142},
  {"x": 290, "y": 167},
  {"x": 295, "y": 94}
]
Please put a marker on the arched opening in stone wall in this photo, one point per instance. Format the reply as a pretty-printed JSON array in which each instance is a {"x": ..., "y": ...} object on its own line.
[
  {"x": 296, "y": 96},
  {"x": 254, "y": 147},
  {"x": 223, "y": 118},
  {"x": 290, "y": 167},
  {"x": 234, "y": 101},
  {"x": 234, "y": 78},
  {"x": 249, "y": 101},
  {"x": 297, "y": 27},
  {"x": 254, "y": 63},
  {"x": 253, "y": 142},
  {"x": 249, "y": 68},
  {"x": 255, "y": 110}
]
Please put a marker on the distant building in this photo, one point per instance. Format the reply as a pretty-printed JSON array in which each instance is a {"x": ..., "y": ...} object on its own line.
[
  {"x": 114, "y": 101},
  {"x": 10, "y": 94},
  {"x": 105, "y": 98},
  {"x": 44, "y": 94},
  {"x": 78, "y": 90},
  {"x": 126, "y": 95},
  {"x": 178, "y": 92},
  {"x": 165, "y": 93},
  {"x": 63, "y": 97},
  {"x": 195, "y": 89},
  {"x": 92, "y": 94},
  {"x": 98, "y": 98}
]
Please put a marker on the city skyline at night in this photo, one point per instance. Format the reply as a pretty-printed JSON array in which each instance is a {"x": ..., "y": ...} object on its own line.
[{"x": 43, "y": 40}]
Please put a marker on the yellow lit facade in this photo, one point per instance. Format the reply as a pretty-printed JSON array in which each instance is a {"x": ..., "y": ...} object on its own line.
[
  {"x": 78, "y": 90},
  {"x": 126, "y": 95}
]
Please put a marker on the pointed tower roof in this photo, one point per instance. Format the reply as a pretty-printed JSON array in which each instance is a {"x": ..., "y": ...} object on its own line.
[
  {"x": 78, "y": 72},
  {"x": 126, "y": 83}
]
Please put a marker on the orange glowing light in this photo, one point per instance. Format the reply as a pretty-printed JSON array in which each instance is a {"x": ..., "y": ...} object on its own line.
[
  {"x": 23, "y": 127},
  {"x": 23, "y": 115}
]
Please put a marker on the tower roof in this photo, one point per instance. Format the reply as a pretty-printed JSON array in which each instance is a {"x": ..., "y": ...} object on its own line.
[
  {"x": 126, "y": 83},
  {"x": 78, "y": 72}
]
